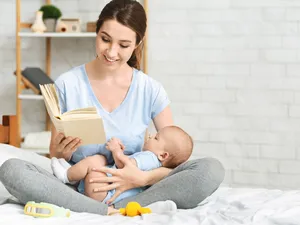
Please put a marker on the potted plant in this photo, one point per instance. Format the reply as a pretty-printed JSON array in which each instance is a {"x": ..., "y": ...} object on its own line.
[{"x": 50, "y": 16}]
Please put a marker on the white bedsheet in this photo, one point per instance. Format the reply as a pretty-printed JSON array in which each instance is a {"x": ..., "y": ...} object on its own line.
[{"x": 225, "y": 206}]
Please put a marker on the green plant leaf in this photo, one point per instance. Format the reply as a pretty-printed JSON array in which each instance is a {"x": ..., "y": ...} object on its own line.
[{"x": 50, "y": 12}]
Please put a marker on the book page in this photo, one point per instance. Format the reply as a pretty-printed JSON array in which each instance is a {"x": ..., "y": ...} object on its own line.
[
  {"x": 89, "y": 110},
  {"x": 79, "y": 117},
  {"x": 50, "y": 100},
  {"x": 58, "y": 124}
]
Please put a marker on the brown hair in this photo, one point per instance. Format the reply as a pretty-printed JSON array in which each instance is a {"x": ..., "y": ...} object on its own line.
[
  {"x": 182, "y": 147},
  {"x": 131, "y": 14}
]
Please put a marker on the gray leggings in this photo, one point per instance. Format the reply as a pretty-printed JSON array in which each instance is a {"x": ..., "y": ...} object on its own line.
[{"x": 187, "y": 185}]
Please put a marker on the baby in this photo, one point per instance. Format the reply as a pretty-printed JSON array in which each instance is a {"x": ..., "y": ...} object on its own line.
[{"x": 169, "y": 148}]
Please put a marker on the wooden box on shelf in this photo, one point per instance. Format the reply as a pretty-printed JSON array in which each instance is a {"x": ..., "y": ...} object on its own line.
[
  {"x": 69, "y": 26},
  {"x": 91, "y": 27}
]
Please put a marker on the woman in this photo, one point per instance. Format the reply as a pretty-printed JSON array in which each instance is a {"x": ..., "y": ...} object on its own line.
[{"x": 127, "y": 100}]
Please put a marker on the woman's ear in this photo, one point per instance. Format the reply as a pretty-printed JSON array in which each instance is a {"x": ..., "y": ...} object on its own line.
[{"x": 163, "y": 156}]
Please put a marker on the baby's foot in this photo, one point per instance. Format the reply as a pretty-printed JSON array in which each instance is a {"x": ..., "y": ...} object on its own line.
[
  {"x": 163, "y": 206},
  {"x": 59, "y": 170},
  {"x": 64, "y": 163}
]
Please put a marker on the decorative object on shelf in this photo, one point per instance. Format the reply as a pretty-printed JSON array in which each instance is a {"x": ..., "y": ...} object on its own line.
[
  {"x": 50, "y": 16},
  {"x": 61, "y": 26},
  {"x": 71, "y": 25},
  {"x": 32, "y": 77},
  {"x": 38, "y": 25},
  {"x": 91, "y": 27}
]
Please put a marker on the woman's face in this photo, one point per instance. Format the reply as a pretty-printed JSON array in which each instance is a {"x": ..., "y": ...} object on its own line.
[{"x": 115, "y": 44}]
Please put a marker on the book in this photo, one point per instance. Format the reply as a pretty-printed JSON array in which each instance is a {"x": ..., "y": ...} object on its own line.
[{"x": 84, "y": 123}]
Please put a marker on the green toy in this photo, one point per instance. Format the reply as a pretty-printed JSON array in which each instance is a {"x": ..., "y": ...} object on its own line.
[{"x": 45, "y": 210}]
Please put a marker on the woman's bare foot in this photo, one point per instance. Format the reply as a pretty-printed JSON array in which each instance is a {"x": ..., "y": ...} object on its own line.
[{"x": 112, "y": 211}]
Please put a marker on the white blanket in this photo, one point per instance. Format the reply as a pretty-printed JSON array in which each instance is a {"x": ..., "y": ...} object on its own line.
[{"x": 226, "y": 206}]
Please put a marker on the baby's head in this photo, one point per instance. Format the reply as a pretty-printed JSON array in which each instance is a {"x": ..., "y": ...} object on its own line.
[{"x": 171, "y": 145}]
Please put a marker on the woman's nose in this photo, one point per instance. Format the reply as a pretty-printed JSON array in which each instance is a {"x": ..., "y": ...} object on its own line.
[{"x": 112, "y": 51}]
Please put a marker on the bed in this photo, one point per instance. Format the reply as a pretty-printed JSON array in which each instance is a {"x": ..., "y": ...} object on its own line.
[{"x": 226, "y": 206}]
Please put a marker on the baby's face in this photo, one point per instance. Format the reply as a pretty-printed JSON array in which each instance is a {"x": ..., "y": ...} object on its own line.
[
  {"x": 164, "y": 140},
  {"x": 155, "y": 143}
]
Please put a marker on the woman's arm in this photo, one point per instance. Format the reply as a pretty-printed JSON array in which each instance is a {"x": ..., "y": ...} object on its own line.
[
  {"x": 153, "y": 176},
  {"x": 163, "y": 119}
]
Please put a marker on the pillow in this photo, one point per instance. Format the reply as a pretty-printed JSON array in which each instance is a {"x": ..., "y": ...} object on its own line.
[{"x": 9, "y": 151}]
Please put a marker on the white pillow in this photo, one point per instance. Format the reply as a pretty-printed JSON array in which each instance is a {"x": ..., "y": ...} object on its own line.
[{"x": 9, "y": 151}]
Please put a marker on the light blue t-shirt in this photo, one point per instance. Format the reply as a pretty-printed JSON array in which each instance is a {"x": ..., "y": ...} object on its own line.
[{"x": 145, "y": 99}]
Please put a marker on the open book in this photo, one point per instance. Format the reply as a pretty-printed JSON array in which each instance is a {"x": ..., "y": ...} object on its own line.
[{"x": 84, "y": 123}]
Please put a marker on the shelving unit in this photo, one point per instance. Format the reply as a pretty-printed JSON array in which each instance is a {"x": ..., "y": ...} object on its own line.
[
  {"x": 22, "y": 32},
  {"x": 53, "y": 34}
]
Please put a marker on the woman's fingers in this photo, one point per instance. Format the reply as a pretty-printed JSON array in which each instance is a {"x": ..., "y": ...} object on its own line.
[
  {"x": 104, "y": 180},
  {"x": 107, "y": 187},
  {"x": 76, "y": 146},
  {"x": 59, "y": 138},
  {"x": 113, "y": 172},
  {"x": 117, "y": 193},
  {"x": 72, "y": 145}
]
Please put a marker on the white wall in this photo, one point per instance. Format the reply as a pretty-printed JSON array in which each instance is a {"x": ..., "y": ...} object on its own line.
[{"x": 231, "y": 68}]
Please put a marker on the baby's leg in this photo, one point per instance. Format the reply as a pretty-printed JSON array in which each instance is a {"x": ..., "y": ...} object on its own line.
[
  {"x": 96, "y": 161},
  {"x": 83, "y": 167}
]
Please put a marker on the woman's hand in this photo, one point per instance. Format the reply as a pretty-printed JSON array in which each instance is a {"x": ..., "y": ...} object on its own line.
[
  {"x": 63, "y": 147},
  {"x": 122, "y": 179}
]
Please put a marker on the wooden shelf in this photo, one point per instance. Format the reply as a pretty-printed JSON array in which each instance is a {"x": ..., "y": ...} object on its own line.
[{"x": 56, "y": 34}]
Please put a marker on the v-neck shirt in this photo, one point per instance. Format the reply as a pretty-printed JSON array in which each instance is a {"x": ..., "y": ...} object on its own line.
[{"x": 145, "y": 99}]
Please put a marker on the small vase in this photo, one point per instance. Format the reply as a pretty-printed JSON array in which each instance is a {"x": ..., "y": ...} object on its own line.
[{"x": 38, "y": 25}]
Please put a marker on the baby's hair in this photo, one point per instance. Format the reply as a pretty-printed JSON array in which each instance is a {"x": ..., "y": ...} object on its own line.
[{"x": 182, "y": 147}]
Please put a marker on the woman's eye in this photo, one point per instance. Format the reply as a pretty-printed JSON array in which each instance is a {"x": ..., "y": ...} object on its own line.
[
  {"x": 105, "y": 39},
  {"x": 124, "y": 46}
]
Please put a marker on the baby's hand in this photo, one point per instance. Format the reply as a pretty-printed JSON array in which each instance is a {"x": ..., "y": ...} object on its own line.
[{"x": 114, "y": 144}]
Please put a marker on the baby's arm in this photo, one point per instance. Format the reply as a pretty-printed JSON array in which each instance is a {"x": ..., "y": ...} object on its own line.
[{"x": 116, "y": 147}]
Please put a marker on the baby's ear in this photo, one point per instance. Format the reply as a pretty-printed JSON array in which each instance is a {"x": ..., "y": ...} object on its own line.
[{"x": 163, "y": 156}]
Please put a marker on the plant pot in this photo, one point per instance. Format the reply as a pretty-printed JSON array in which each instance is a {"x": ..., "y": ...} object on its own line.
[{"x": 50, "y": 24}]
